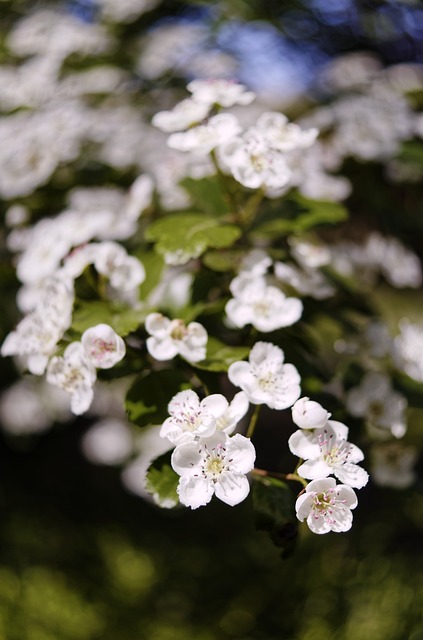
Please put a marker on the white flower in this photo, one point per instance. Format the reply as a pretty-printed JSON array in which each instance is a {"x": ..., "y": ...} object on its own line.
[
  {"x": 222, "y": 92},
  {"x": 124, "y": 272},
  {"x": 282, "y": 135},
  {"x": 327, "y": 451},
  {"x": 263, "y": 306},
  {"x": 376, "y": 401},
  {"x": 103, "y": 346},
  {"x": 215, "y": 465},
  {"x": 253, "y": 162},
  {"x": 208, "y": 136},
  {"x": 108, "y": 442},
  {"x": 308, "y": 282},
  {"x": 308, "y": 414},
  {"x": 255, "y": 264},
  {"x": 183, "y": 115},
  {"x": 74, "y": 373},
  {"x": 265, "y": 378},
  {"x": 392, "y": 464},
  {"x": 326, "y": 506},
  {"x": 172, "y": 337},
  {"x": 36, "y": 337},
  {"x": 409, "y": 349},
  {"x": 190, "y": 418}
]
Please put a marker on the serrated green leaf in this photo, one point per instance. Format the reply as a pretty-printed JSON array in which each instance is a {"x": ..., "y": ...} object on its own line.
[
  {"x": 123, "y": 320},
  {"x": 162, "y": 481},
  {"x": 207, "y": 194},
  {"x": 274, "y": 511},
  {"x": 220, "y": 356},
  {"x": 188, "y": 235},
  {"x": 147, "y": 399}
]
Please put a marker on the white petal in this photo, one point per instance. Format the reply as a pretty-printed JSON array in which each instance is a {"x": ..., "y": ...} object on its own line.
[
  {"x": 81, "y": 400},
  {"x": 239, "y": 313},
  {"x": 197, "y": 335},
  {"x": 355, "y": 454},
  {"x": 239, "y": 373},
  {"x": 186, "y": 459},
  {"x": 314, "y": 469},
  {"x": 318, "y": 523},
  {"x": 161, "y": 349},
  {"x": 352, "y": 475},
  {"x": 232, "y": 488},
  {"x": 185, "y": 401},
  {"x": 341, "y": 519},
  {"x": 266, "y": 350},
  {"x": 321, "y": 485},
  {"x": 216, "y": 404},
  {"x": 37, "y": 364},
  {"x": 157, "y": 325},
  {"x": 347, "y": 495},
  {"x": 339, "y": 429},
  {"x": 240, "y": 453},
  {"x": 303, "y": 506},
  {"x": 195, "y": 492},
  {"x": 304, "y": 444}
]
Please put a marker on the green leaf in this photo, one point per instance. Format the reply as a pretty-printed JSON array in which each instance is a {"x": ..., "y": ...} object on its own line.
[
  {"x": 220, "y": 356},
  {"x": 274, "y": 511},
  {"x": 123, "y": 320},
  {"x": 153, "y": 264},
  {"x": 309, "y": 214},
  {"x": 223, "y": 260},
  {"x": 412, "y": 153},
  {"x": 207, "y": 195},
  {"x": 161, "y": 482},
  {"x": 188, "y": 235},
  {"x": 149, "y": 395}
]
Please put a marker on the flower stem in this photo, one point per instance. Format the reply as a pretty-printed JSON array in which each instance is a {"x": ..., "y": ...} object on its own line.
[
  {"x": 253, "y": 421},
  {"x": 282, "y": 476},
  {"x": 249, "y": 211}
]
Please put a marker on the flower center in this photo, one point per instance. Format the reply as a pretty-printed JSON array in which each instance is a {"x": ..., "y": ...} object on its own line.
[
  {"x": 214, "y": 466},
  {"x": 178, "y": 331},
  {"x": 214, "y": 462},
  {"x": 333, "y": 452},
  {"x": 261, "y": 308},
  {"x": 324, "y": 501}
]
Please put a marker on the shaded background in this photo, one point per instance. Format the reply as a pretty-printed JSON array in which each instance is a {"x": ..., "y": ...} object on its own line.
[{"x": 80, "y": 558}]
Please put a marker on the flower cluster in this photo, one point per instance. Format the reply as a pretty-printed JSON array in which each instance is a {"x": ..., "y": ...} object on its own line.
[
  {"x": 212, "y": 265},
  {"x": 207, "y": 459},
  {"x": 322, "y": 443}
]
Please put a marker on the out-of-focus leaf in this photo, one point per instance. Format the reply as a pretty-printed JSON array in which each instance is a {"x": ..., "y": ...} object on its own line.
[
  {"x": 220, "y": 356},
  {"x": 188, "y": 235},
  {"x": 274, "y": 511},
  {"x": 147, "y": 399},
  {"x": 309, "y": 214},
  {"x": 207, "y": 195},
  {"x": 223, "y": 260},
  {"x": 123, "y": 320},
  {"x": 153, "y": 264},
  {"x": 161, "y": 482},
  {"x": 412, "y": 153}
]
